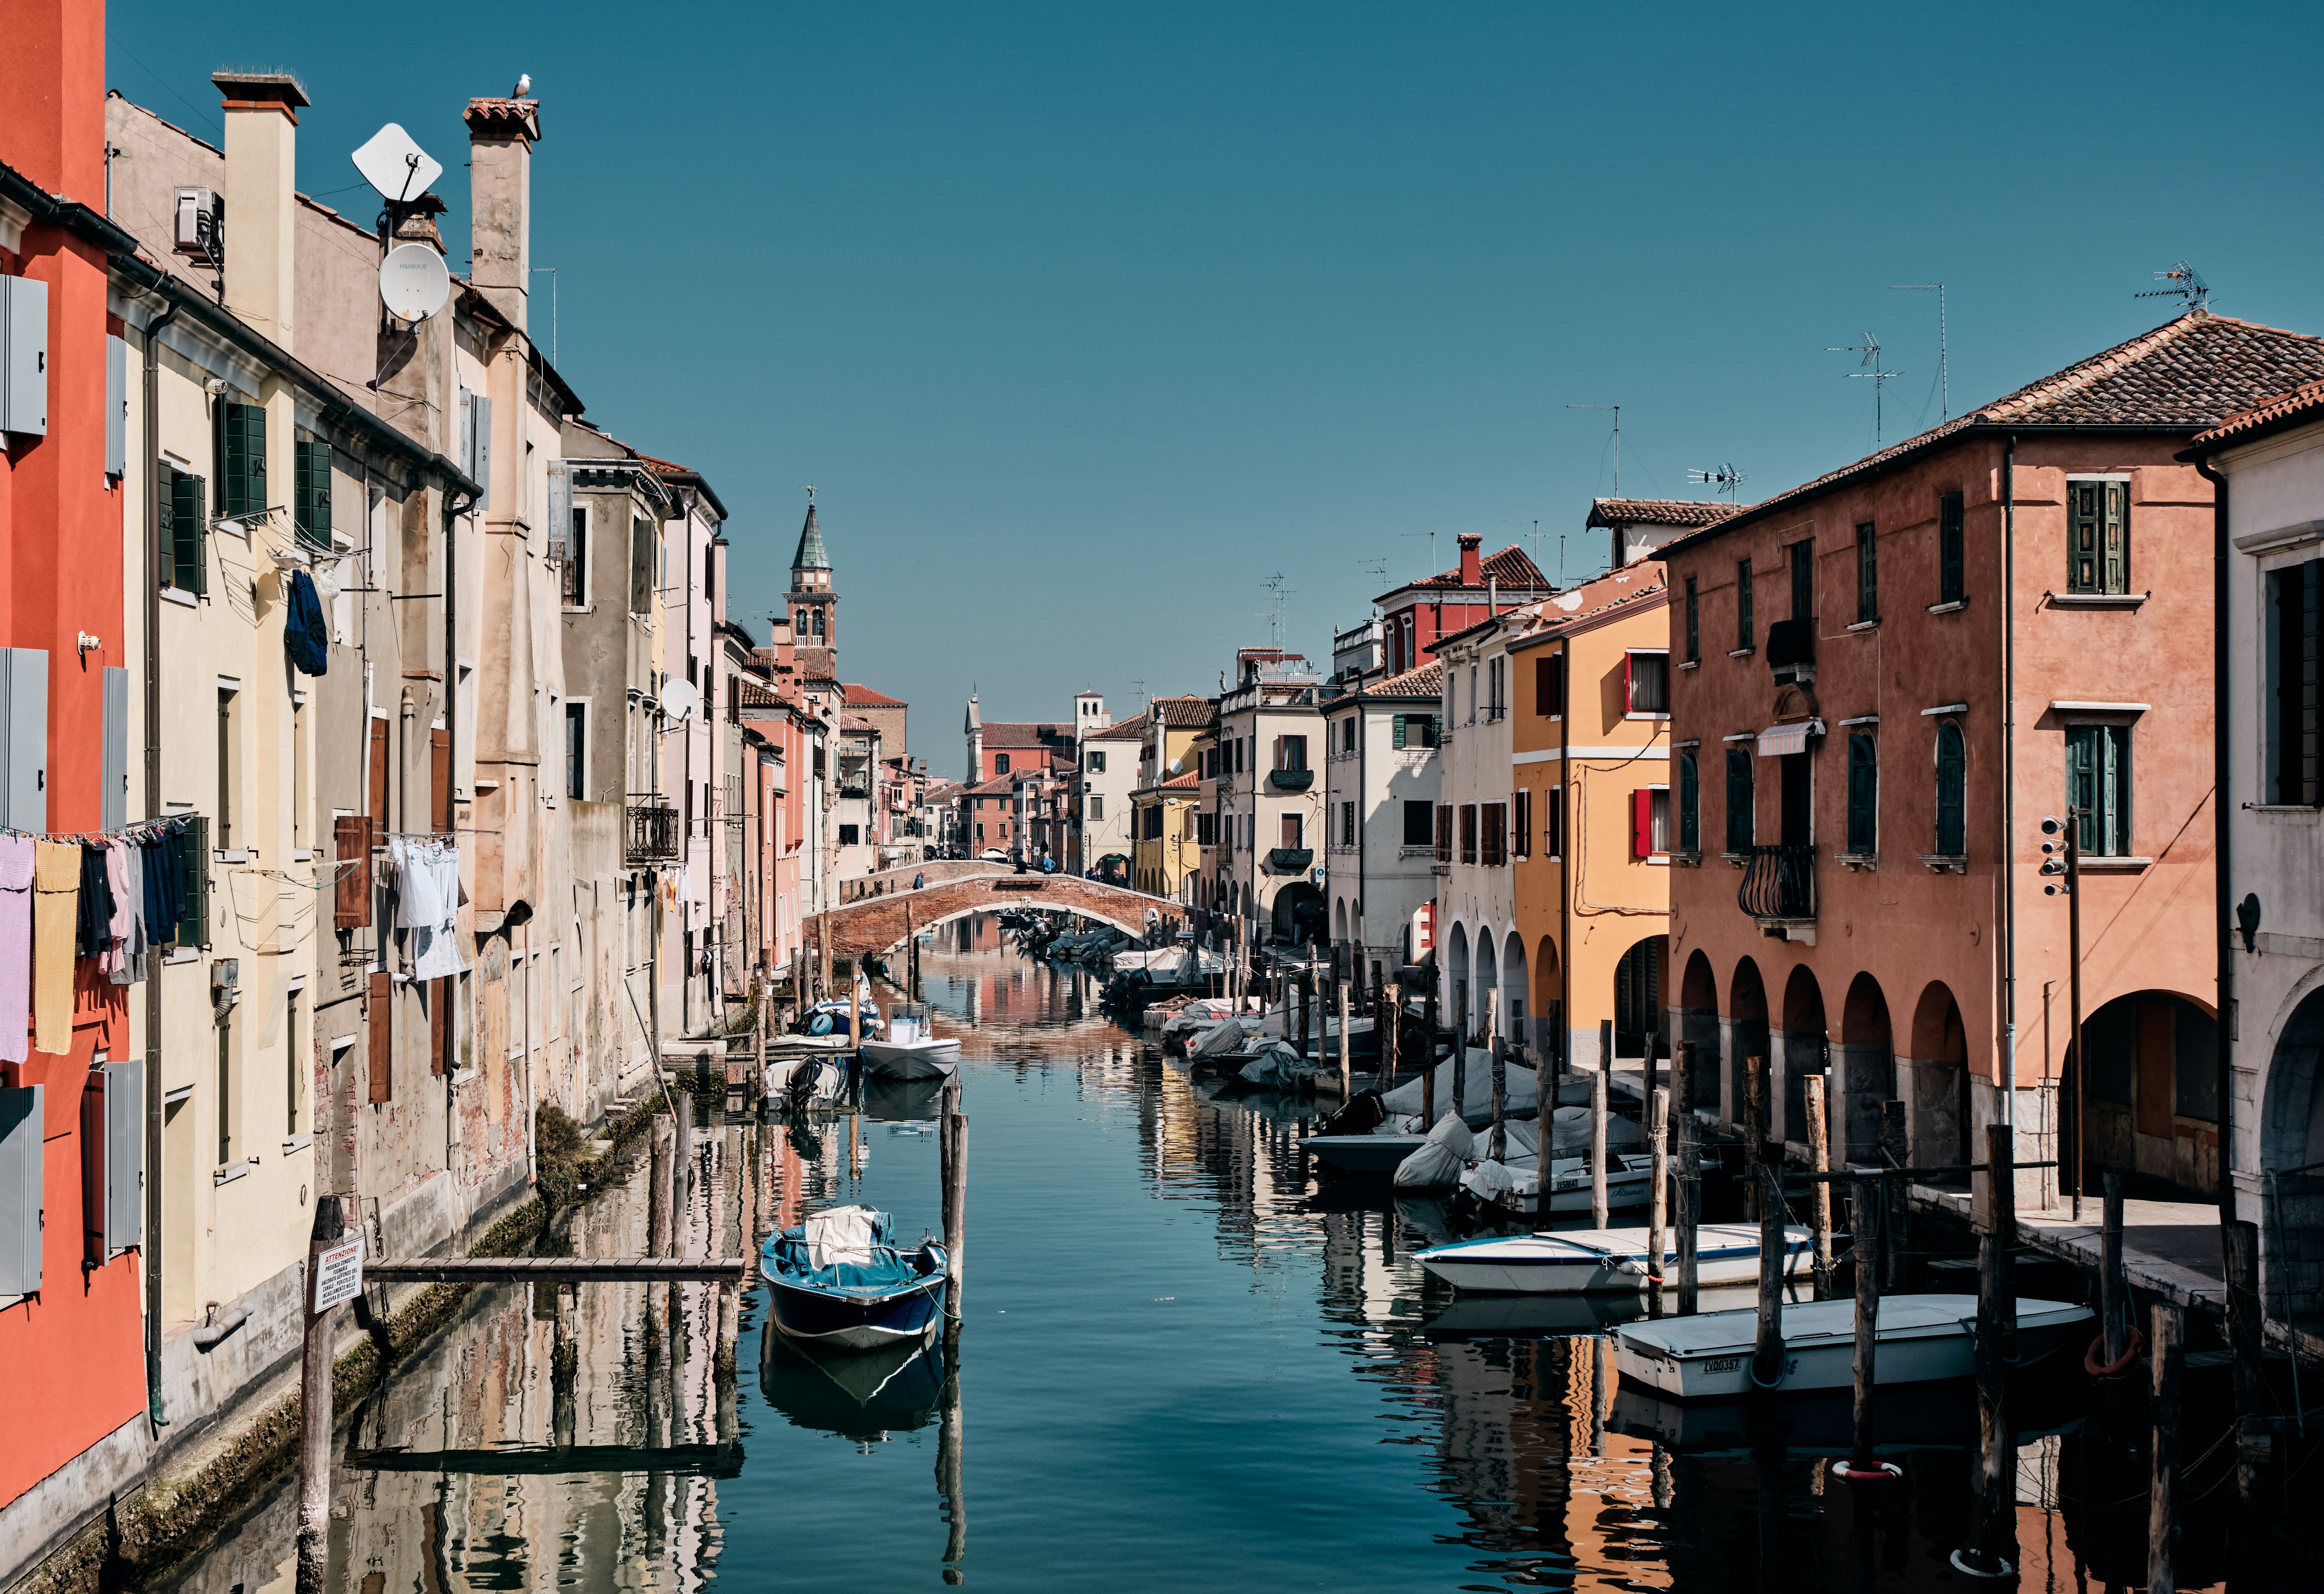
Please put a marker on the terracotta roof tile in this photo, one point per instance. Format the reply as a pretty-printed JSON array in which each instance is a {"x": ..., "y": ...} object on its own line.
[
  {"x": 2306, "y": 400},
  {"x": 860, "y": 695},
  {"x": 1015, "y": 734},
  {"x": 1186, "y": 713},
  {"x": 1181, "y": 782},
  {"x": 1510, "y": 568},
  {"x": 1658, "y": 512},
  {"x": 1427, "y": 681},
  {"x": 1129, "y": 730}
]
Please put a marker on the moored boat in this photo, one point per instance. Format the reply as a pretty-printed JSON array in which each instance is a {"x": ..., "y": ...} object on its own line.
[
  {"x": 1587, "y": 1261},
  {"x": 837, "y": 1280},
  {"x": 908, "y": 1050}
]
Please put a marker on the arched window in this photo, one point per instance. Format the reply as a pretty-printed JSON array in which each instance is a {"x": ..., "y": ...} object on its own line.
[
  {"x": 1863, "y": 795},
  {"x": 1952, "y": 792},
  {"x": 1739, "y": 799},
  {"x": 1690, "y": 817}
]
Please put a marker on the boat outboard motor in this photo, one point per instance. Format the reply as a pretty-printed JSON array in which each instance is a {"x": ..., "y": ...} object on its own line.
[{"x": 1362, "y": 1115}]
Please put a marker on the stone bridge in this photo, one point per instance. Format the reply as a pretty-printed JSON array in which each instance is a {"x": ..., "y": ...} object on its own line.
[{"x": 873, "y": 926}]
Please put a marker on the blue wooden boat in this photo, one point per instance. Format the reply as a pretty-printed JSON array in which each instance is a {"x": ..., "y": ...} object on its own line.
[{"x": 838, "y": 1280}]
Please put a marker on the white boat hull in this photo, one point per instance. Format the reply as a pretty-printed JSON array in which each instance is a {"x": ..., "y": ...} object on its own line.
[
  {"x": 1590, "y": 1261},
  {"x": 912, "y": 1059},
  {"x": 1919, "y": 1339}
]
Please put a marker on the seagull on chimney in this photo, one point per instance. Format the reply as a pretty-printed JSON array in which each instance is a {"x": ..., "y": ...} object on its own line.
[{"x": 523, "y": 86}]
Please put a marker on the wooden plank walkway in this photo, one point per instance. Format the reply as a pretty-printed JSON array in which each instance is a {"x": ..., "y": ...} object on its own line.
[{"x": 557, "y": 1270}]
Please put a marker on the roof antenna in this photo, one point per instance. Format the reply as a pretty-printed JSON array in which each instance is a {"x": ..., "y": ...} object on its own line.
[
  {"x": 1432, "y": 548},
  {"x": 1728, "y": 477},
  {"x": 1534, "y": 535},
  {"x": 1944, "y": 378},
  {"x": 1617, "y": 409},
  {"x": 2186, "y": 284},
  {"x": 1870, "y": 349},
  {"x": 1276, "y": 587}
]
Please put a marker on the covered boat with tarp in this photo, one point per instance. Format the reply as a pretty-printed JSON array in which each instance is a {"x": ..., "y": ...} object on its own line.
[{"x": 839, "y": 1280}]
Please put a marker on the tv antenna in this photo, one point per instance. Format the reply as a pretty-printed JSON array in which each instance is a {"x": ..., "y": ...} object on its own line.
[
  {"x": 1533, "y": 536},
  {"x": 1945, "y": 375},
  {"x": 1617, "y": 409},
  {"x": 2187, "y": 284},
  {"x": 1278, "y": 591},
  {"x": 1871, "y": 351},
  {"x": 1432, "y": 548},
  {"x": 1726, "y": 476}
]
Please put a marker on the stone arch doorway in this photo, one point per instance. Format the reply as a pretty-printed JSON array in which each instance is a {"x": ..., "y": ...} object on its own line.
[
  {"x": 2291, "y": 1136},
  {"x": 1456, "y": 974},
  {"x": 1696, "y": 1021},
  {"x": 1488, "y": 977},
  {"x": 1638, "y": 984},
  {"x": 1806, "y": 1046},
  {"x": 2153, "y": 1113},
  {"x": 1299, "y": 914},
  {"x": 1515, "y": 1007},
  {"x": 1864, "y": 1074},
  {"x": 1934, "y": 1080},
  {"x": 1747, "y": 1034},
  {"x": 1549, "y": 998}
]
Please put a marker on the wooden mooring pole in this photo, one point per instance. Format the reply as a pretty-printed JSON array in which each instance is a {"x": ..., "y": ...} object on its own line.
[
  {"x": 1994, "y": 1535},
  {"x": 1347, "y": 1044},
  {"x": 1896, "y": 1185},
  {"x": 1755, "y": 1129},
  {"x": 1864, "y": 1223},
  {"x": 1819, "y": 1193},
  {"x": 1768, "y": 1356},
  {"x": 1658, "y": 1203},
  {"x": 1689, "y": 1180},
  {"x": 2245, "y": 1320},
  {"x": 1600, "y": 1209},
  {"x": 1390, "y": 1012},
  {"x": 1497, "y": 1149},
  {"x": 314, "y": 1406},
  {"x": 2166, "y": 1347},
  {"x": 2113, "y": 1306}
]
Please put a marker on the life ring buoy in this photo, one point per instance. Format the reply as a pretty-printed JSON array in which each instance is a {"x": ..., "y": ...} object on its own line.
[{"x": 2097, "y": 1369}]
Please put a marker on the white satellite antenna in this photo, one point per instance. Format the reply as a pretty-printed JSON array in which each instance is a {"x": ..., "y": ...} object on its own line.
[
  {"x": 413, "y": 282},
  {"x": 679, "y": 699},
  {"x": 395, "y": 164}
]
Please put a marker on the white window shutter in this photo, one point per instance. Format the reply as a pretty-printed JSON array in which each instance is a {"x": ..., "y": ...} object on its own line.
[
  {"x": 560, "y": 509},
  {"x": 21, "y": 1124},
  {"x": 124, "y": 1155}
]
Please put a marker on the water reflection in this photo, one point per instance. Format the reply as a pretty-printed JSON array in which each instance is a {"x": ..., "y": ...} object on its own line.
[{"x": 1192, "y": 1364}]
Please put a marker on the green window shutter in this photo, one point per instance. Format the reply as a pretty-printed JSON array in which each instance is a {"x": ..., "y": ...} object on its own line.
[
  {"x": 313, "y": 503},
  {"x": 165, "y": 556},
  {"x": 188, "y": 558},
  {"x": 1743, "y": 602},
  {"x": 2114, "y": 531},
  {"x": 1739, "y": 800},
  {"x": 1399, "y": 730},
  {"x": 1950, "y": 580},
  {"x": 1435, "y": 730},
  {"x": 1952, "y": 792},
  {"x": 1690, "y": 799},
  {"x": 1868, "y": 574},
  {"x": 2082, "y": 536},
  {"x": 193, "y": 929},
  {"x": 1863, "y": 795},
  {"x": 241, "y": 459}
]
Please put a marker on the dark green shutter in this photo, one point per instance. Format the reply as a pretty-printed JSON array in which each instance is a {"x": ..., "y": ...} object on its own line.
[
  {"x": 1868, "y": 574},
  {"x": 1739, "y": 800},
  {"x": 1694, "y": 623},
  {"x": 313, "y": 507},
  {"x": 1952, "y": 792},
  {"x": 1803, "y": 554},
  {"x": 1399, "y": 730},
  {"x": 1743, "y": 602},
  {"x": 1863, "y": 795},
  {"x": 1951, "y": 582},
  {"x": 2097, "y": 787},
  {"x": 241, "y": 459},
  {"x": 2114, "y": 531},
  {"x": 193, "y": 928},
  {"x": 1690, "y": 819},
  {"x": 186, "y": 553},
  {"x": 165, "y": 555}
]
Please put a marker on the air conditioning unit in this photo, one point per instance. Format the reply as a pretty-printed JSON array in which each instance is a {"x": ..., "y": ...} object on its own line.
[{"x": 200, "y": 223}]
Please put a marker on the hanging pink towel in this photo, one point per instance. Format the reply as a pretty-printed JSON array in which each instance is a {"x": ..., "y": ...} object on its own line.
[{"x": 15, "y": 948}]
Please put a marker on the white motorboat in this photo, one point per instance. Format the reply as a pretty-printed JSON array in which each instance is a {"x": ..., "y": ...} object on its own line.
[
  {"x": 1584, "y": 1261},
  {"x": 907, "y": 1050},
  {"x": 1920, "y": 1339},
  {"x": 803, "y": 1079}
]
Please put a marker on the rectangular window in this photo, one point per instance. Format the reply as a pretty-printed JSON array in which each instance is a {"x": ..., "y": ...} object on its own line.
[
  {"x": 577, "y": 751},
  {"x": 1690, "y": 805},
  {"x": 1493, "y": 823},
  {"x": 2097, "y": 537},
  {"x": 1742, "y": 604},
  {"x": 850, "y": 834},
  {"x": 1647, "y": 682},
  {"x": 1952, "y": 581},
  {"x": 1496, "y": 690},
  {"x": 1444, "y": 833},
  {"x": 2097, "y": 787},
  {"x": 1468, "y": 832},
  {"x": 1521, "y": 823},
  {"x": 1803, "y": 557},
  {"x": 642, "y": 568},
  {"x": 1001, "y": 763},
  {"x": 1095, "y": 760},
  {"x": 979, "y": 831},
  {"x": 1553, "y": 821},
  {"x": 573, "y": 575},
  {"x": 1419, "y": 823},
  {"x": 1739, "y": 799},
  {"x": 2292, "y": 708},
  {"x": 1291, "y": 752},
  {"x": 1347, "y": 825},
  {"x": 1549, "y": 686},
  {"x": 1867, "y": 575},
  {"x": 240, "y": 449},
  {"x": 1694, "y": 623},
  {"x": 1650, "y": 821},
  {"x": 1863, "y": 795},
  {"x": 1096, "y": 806},
  {"x": 185, "y": 539},
  {"x": 1293, "y": 832},
  {"x": 311, "y": 505}
]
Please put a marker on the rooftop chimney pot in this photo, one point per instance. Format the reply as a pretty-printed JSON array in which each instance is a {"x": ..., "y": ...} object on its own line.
[{"x": 1472, "y": 568}]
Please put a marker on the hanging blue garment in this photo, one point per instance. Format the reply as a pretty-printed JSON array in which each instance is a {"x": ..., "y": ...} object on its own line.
[{"x": 304, "y": 635}]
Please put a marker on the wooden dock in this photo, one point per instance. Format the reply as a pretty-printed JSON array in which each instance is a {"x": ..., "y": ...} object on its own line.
[{"x": 559, "y": 1270}]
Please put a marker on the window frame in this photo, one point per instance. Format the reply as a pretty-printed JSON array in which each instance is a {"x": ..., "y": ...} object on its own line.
[
  {"x": 1468, "y": 828},
  {"x": 1740, "y": 817},
  {"x": 1868, "y": 573},
  {"x": 2292, "y": 694},
  {"x": 1521, "y": 823},
  {"x": 1952, "y": 537},
  {"x": 1694, "y": 623},
  {"x": 2108, "y": 573},
  {"x": 1631, "y": 681},
  {"x": 1689, "y": 787},
  {"x": 1744, "y": 641},
  {"x": 1954, "y": 802},
  {"x": 1863, "y": 795},
  {"x": 2110, "y": 779}
]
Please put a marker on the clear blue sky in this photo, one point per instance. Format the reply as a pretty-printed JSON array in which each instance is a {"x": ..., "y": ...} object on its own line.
[{"x": 1085, "y": 319}]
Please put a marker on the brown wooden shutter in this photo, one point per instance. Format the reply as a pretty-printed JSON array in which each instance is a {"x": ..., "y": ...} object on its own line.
[
  {"x": 439, "y": 1024},
  {"x": 351, "y": 888},
  {"x": 379, "y": 1013},
  {"x": 379, "y": 760},
  {"x": 439, "y": 778}
]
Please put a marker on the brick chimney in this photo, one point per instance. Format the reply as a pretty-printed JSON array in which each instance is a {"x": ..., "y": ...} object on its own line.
[
  {"x": 261, "y": 170},
  {"x": 500, "y": 136},
  {"x": 1472, "y": 570},
  {"x": 53, "y": 81}
]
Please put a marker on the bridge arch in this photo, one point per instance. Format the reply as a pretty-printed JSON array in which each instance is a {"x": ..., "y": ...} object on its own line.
[{"x": 877, "y": 924}]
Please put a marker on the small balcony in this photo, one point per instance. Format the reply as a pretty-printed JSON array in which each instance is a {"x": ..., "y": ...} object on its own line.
[
  {"x": 1289, "y": 860},
  {"x": 1291, "y": 780},
  {"x": 1778, "y": 885},
  {"x": 652, "y": 833}
]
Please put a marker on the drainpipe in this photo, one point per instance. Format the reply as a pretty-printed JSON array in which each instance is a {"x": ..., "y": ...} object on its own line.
[
  {"x": 457, "y": 503},
  {"x": 2006, "y": 1075},
  {"x": 151, "y": 1262},
  {"x": 2222, "y": 836}
]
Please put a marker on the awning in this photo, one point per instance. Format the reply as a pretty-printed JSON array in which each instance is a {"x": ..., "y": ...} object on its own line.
[{"x": 1776, "y": 741}]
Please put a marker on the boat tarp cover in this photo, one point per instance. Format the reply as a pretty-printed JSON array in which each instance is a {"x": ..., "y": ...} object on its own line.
[
  {"x": 845, "y": 1249},
  {"x": 1478, "y": 1088},
  {"x": 1224, "y": 1036},
  {"x": 1437, "y": 1163}
]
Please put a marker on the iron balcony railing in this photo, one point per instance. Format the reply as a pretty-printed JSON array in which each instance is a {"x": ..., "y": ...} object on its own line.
[
  {"x": 653, "y": 834},
  {"x": 1291, "y": 780},
  {"x": 1289, "y": 860},
  {"x": 1778, "y": 883}
]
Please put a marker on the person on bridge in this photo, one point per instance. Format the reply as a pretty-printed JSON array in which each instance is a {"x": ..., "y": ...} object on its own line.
[{"x": 919, "y": 879}]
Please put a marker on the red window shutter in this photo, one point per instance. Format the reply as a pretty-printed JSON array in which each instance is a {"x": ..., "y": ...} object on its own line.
[
  {"x": 1641, "y": 821},
  {"x": 351, "y": 888},
  {"x": 379, "y": 1013}
]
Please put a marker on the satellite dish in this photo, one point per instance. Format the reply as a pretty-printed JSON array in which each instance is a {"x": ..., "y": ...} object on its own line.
[
  {"x": 396, "y": 166},
  {"x": 680, "y": 698},
  {"x": 412, "y": 281}
]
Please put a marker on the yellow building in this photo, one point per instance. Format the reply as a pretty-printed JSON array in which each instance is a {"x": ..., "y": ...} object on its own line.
[
  {"x": 1162, "y": 818},
  {"x": 1591, "y": 773}
]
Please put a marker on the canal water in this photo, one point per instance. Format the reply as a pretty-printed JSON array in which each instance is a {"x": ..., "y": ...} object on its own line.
[{"x": 1183, "y": 1363}]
